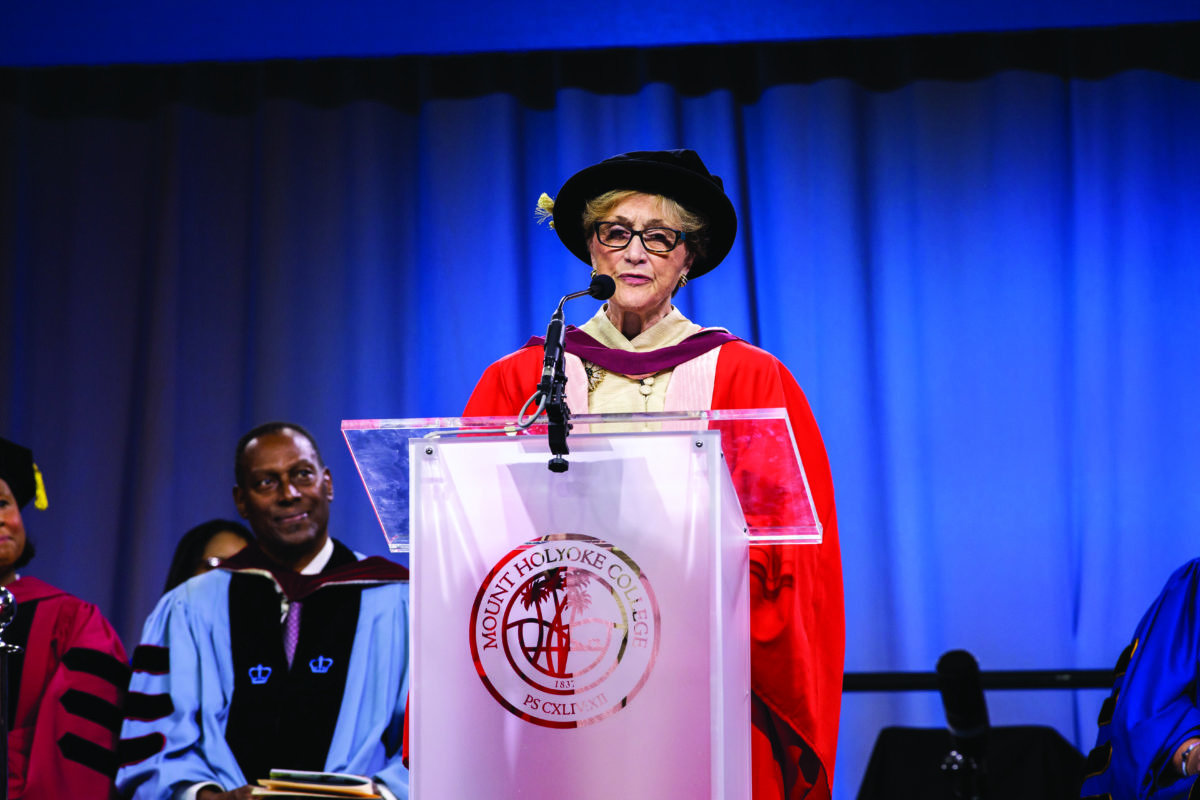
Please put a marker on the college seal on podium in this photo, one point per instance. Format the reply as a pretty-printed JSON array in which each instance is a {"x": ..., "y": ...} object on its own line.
[{"x": 565, "y": 630}]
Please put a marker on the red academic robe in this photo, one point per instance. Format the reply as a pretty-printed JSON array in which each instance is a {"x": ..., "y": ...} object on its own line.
[
  {"x": 797, "y": 611},
  {"x": 68, "y": 693}
]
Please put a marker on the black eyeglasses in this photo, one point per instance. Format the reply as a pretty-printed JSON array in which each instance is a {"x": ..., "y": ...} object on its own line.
[{"x": 656, "y": 240}]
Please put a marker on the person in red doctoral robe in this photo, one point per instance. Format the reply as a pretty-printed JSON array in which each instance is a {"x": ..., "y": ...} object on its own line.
[
  {"x": 652, "y": 221},
  {"x": 67, "y": 683}
]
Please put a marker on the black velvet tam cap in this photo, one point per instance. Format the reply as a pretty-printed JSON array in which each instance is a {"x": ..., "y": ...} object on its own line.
[{"x": 20, "y": 473}]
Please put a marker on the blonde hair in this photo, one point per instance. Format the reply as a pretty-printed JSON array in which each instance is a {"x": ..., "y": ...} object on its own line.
[{"x": 694, "y": 225}]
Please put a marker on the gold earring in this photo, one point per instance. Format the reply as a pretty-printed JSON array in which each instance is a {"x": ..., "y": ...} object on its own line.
[
  {"x": 682, "y": 281},
  {"x": 594, "y": 272}
]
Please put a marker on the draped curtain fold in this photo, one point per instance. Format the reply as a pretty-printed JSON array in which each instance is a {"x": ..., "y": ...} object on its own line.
[{"x": 985, "y": 280}]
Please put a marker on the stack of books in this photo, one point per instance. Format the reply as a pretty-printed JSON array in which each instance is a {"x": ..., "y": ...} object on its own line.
[{"x": 285, "y": 783}]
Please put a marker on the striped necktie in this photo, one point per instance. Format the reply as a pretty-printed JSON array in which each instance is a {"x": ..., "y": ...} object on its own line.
[{"x": 291, "y": 630}]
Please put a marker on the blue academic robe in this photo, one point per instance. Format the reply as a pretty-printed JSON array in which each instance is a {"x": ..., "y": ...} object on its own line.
[{"x": 1153, "y": 708}]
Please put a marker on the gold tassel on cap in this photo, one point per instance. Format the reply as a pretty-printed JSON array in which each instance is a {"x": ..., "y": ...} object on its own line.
[
  {"x": 39, "y": 490},
  {"x": 545, "y": 209}
]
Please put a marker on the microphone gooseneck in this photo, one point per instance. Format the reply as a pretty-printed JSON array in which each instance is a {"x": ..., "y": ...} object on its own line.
[
  {"x": 550, "y": 396},
  {"x": 553, "y": 350}
]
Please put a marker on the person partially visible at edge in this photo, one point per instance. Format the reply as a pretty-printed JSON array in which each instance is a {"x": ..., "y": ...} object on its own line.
[
  {"x": 292, "y": 654},
  {"x": 1148, "y": 738},
  {"x": 204, "y": 547},
  {"x": 654, "y": 221},
  {"x": 67, "y": 684}
]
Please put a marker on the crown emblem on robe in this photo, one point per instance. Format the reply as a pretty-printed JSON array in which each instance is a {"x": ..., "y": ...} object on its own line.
[
  {"x": 320, "y": 665},
  {"x": 259, "y": 674}
]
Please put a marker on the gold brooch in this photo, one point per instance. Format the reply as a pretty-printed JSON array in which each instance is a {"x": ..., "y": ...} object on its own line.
[{"x": 595, "y": 374}]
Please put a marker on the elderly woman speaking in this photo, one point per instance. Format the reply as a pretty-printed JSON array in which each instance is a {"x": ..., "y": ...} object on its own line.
[{"x": 652, "y": 221}]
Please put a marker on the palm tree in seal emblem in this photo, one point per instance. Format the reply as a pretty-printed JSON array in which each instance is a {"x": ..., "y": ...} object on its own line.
[{"x": 551, "y": 647}]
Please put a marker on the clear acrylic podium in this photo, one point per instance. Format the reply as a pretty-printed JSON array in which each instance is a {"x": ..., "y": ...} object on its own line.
[{"x": 583, "y": 634}]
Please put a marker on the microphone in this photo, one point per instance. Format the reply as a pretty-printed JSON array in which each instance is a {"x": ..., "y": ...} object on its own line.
[
  {"x": 967, "y": 719},
  {"x": 602, "y": 287},
  {"x": 962, "y": 697}
]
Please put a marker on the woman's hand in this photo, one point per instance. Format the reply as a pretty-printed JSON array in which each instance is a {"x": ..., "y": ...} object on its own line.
[{"x": 1187, "y": 758}]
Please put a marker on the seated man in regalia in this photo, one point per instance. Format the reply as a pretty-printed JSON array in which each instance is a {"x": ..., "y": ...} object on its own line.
[{"x": 291, "y": 655}]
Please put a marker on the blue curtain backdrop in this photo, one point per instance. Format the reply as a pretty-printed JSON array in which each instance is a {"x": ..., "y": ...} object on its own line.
[{"x": 987, "y": 285}]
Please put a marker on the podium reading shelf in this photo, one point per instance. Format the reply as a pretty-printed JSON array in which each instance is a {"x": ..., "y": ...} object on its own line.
[{"x": 583, "y": 634}]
